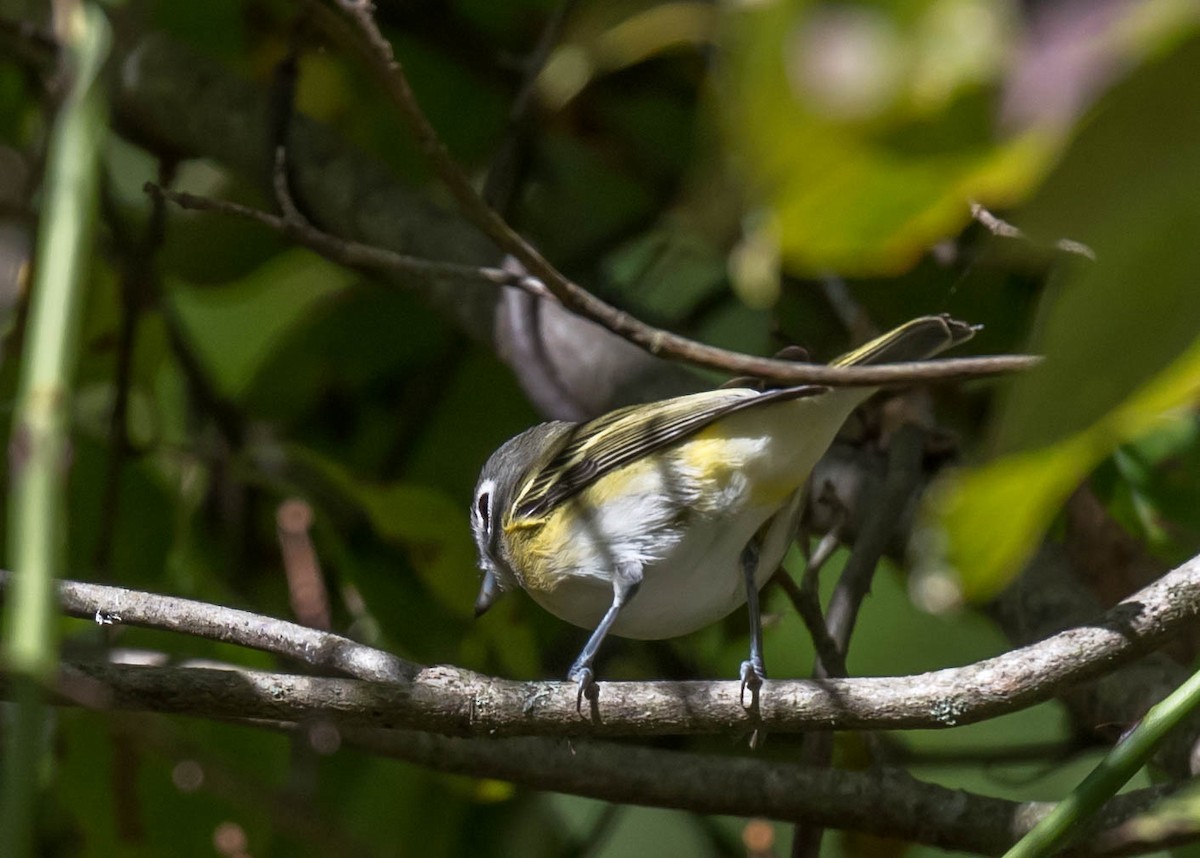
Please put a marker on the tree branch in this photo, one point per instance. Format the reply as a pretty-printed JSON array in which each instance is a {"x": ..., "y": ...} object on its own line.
[
  {"x": 110, "y": 605},
  {"x": 884, "y": 802},
  {"x": 453, "y": 701}
]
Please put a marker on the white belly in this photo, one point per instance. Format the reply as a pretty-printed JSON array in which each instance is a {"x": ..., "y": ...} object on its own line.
[{"x": 697, "y": 583}]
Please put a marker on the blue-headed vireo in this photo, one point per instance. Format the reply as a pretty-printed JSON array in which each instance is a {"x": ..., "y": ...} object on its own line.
[{"x": 655, "y": 520}]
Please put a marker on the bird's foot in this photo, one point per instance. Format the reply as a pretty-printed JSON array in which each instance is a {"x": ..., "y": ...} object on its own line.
[
  {"x": 587, "y": 687},
  {"x": 752, "y": 675}
]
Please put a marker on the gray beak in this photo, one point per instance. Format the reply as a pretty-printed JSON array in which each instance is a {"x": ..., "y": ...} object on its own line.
[{"x": 488, "y": 593}]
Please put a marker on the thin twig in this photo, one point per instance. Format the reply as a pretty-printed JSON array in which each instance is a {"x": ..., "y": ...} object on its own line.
[
  {"x": 903, "y": 474},
  {"x": 808, "y": 594},
  {"x": 885, "y": 802},
  {"x": 519, "y": 332},
  {"x": 283, "y": 188},
  {"x": 578, "y": 300},
  {"x": 829, "y": 543},
  {"x": 351, "y": 253},
  {"x": 283, "y": 105},
  {"x": 138, "y": 278},
  {"x": 849, "y": 312},
  {"x": 301, "y": 565},
  {"x": 809, "y": 609},
  {"x": 806, "y": 599},
  {"x": 1003, "y": 229}
]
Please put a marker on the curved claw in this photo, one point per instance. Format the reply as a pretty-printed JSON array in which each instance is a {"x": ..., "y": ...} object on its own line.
[
  {"x": 752, "y": 674},
  {"x": 586, "y": 681}
]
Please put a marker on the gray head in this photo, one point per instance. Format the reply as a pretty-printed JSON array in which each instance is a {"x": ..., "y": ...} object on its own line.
[{"x": 498, "y": 481}]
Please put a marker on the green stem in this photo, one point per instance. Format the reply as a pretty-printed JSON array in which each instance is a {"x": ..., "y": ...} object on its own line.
[
  {"x": 1121, "y": 763},
  {"x": 38, "y": 453}
]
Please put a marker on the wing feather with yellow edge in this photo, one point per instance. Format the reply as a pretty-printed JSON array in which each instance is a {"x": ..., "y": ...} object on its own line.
[{"x": 600, "y": 446}]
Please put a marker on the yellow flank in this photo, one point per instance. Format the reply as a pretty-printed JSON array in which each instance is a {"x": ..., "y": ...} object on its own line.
[
  {"x": 615, "y": 484},
  {"x": 533, "y": 545},
  {"x": 542, "y": 549},
  {"x": 718, "y": 458}
]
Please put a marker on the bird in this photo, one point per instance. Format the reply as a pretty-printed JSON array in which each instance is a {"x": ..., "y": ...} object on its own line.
[{"x": 654, "y": 520}]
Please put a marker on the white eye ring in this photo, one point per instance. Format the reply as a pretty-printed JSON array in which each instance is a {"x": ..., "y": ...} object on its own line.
[{"x": 483, "y": 504}]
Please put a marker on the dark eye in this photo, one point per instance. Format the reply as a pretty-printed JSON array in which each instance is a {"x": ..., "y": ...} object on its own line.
[{"x": 482, "y": 504}]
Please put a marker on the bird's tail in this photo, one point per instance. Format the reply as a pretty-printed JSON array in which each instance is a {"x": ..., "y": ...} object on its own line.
[{"x": 916, "y": 340}]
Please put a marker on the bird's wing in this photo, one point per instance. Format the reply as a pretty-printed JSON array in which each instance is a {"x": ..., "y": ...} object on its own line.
[
  {"x": 591, "y": 450},
  {"x": 600, "y": 446}
]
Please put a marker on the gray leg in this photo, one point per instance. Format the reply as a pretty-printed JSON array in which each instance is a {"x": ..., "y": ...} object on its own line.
[
  {"x": 625, "y": 585},
  {"x": 753, "y": 670}
]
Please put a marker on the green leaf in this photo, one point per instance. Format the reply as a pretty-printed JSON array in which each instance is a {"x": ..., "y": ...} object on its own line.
[
  {"x": 236, "y": 328},
  {"x": 867, "y": 129},
  {"x": 1111, "y": 325},
  {"x": 430, "y": 527},
  {"x": 1119, "y": 335},
  {"x": 986, "y": 522}
]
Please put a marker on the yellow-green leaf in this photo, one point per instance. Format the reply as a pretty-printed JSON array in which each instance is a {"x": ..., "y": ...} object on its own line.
[
  {"x": 986, "y": 522},
  {"x": 867, "y": 129}
]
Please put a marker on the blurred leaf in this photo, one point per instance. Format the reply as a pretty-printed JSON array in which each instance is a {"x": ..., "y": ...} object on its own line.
[
  {"x": 607, "y": 38},
  {"x": 357, "y": 397},
  {"x": 1107, "y": 327},
  {"x": 1160, "y": 473},
  {"x": 430, "y": 527},
  {"x": 754, "y": 265},
  {"x": 656, "y": 126},
  {"x": 214, "y": 28},
  {"x": 868, "y": 128},
  {"x": 1172, "y": 818},
  {"x": 738, "y": 327},
  {"x": 434, "y": 531},
  {"x": 637, "y": 831},
  {"x": 668, "y": 271},
  {"x": 987, "y": 521},
  {"x": 582, "y": 198},
  {"x": 236, "y": 328},
  {"x": 1119, "y": 335},
  {"x": 480, "y": 408},
  {"x": 468, "y": 109}
]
